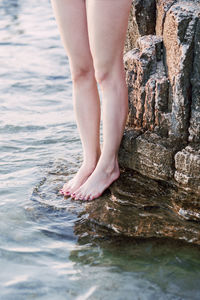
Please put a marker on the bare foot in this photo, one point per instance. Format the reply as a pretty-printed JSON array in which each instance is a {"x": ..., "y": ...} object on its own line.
[
  {"x": 79, "y": 179},
  {"x": 98, "y": 182}
]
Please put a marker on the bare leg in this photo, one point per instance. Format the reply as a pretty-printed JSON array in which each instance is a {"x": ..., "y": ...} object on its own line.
[
  {"x": 72, "y": 23},
  {"x": 107, "y": 26}
]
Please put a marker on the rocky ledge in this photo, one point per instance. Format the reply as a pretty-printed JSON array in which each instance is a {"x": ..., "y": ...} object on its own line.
[
  {"x": 162, "y": 62},
  {"x": 134, "y": 207},
  {"x": 160, "y": 149}
]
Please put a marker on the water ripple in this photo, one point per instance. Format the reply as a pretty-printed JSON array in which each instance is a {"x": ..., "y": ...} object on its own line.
[{"x": 42, "y": 256}]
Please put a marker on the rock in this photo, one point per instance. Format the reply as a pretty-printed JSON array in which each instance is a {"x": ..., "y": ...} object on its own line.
[
  {"x": 148, "y": 154},
  {"x": 187, "y": 164},
  {"x": 178, "y": 40},
  {"x": 132, "y": 32},
  {"x": 163, "y": 79},
  {"x": 142, "y": 21},
  {"x": 135, "y": 206},
  {"x": 194, "y": 129},
  {"x": 139, "y": 207},
  {"x": 162, "y": 6},
  {"x": 145, "y": 15},
  {"x": 142, "y": 76}
]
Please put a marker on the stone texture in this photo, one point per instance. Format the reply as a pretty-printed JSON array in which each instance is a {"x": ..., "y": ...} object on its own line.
[
  {"x": 162, "y": 6},
  {"x": 163, "y": 79},
  {"x": 178, "y": 39},
  {"x": 141, "y": 21},
  {"x": 187, "y": 164},
  {"x": 145, "y": 15},
  {"x": 148, "y": 154},
  {"x": 143, "y": 74},
  {"x": 194, "y": 129},
  {"x": 134, "y": 206}
]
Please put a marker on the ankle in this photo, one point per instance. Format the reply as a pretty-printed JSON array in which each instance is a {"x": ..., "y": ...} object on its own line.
[
  {"x": 90, "y": 163},
  {"x": 110, "y": 165}
]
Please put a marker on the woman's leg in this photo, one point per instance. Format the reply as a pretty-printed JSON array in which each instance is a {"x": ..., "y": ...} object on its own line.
[
  {"x": 72, "y": 23},
  {"x": 107, "y": 27}
]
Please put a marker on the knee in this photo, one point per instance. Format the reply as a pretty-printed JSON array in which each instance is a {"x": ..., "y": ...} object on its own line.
[
  {"x": 102, "y": 74},
  {"x": 108, "y": 72},
  {"x": 81, "y": 73}
]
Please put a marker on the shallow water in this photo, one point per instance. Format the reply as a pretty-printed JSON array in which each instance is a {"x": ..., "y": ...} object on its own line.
[{"x": 41, "y": 257}]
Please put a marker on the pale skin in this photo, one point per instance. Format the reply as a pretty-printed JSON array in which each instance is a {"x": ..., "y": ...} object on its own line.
[{"x": 93, "y": 33}]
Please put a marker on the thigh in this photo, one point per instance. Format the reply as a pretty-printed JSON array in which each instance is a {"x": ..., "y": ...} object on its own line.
[
  {"x": 72, "y": 23},
  {"x": 107, "y": 27}
]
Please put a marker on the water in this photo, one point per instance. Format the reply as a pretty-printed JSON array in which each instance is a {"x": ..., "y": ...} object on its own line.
[{"x": 41, "y": 254}]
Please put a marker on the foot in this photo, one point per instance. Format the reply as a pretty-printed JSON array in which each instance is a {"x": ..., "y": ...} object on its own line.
[
  {"x": 98, "y": 182},
  {"x": 81, "y": 176}
]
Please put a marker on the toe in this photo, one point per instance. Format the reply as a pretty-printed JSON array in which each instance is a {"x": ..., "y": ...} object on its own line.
[
  {"x": 83, "y": 196},
  {"x": 65, "y": 191},
  {"x": 73, "y": 195},
  {"x": 90, "y": 197},
  {"x": 78, "y": 196},
  {"x": 61, "y": 192},
  {"x": 66, "y": 185},
  {"x": 87, "y": 197},
  {"x": 98, "y": 195},
  {"x": 76, "y": 192}
]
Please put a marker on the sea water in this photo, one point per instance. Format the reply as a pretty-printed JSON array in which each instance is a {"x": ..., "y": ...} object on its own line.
[{"x": 41, "y": 256}]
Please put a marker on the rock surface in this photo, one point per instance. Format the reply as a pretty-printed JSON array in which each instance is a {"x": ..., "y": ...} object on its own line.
[
  {"x": 134, "y": 206},
  {"x": 141, "y": 21},
  {"x": 162, "y": 135}
]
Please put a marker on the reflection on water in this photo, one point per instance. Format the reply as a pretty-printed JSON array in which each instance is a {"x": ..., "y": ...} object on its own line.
[{"x": 41, "y": 257}]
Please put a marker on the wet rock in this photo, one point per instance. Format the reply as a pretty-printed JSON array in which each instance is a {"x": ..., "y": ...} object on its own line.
[
  {"x": 139, "y": 207},
  {"x": 135, "y": 207}
]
